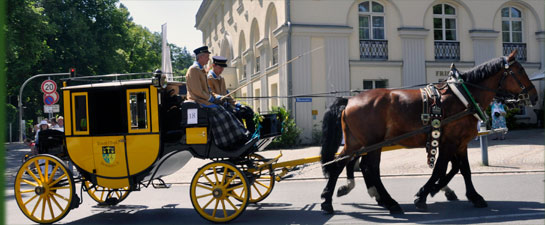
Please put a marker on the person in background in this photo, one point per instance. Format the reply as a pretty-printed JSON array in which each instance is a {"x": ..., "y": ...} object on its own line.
[
  {"x": 217, "y": 85},
  {"x": 53, "y": 123},
  {"x": 60, "y": 123},
  {"x": 498, "y": 118},
  {"x": 42, "y": 126},
  {"x": 33, "y": 151}
]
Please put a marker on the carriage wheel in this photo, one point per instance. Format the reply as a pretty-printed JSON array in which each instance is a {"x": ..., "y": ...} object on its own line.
[
  {"x": 263, "y": 184},
  {"x": 44, "y": 189},
  {"x": 214, "y": 188},
  {"x": 104, "y": 195}
]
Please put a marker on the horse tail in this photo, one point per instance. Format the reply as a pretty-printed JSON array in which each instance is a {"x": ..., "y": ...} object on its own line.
[{"x": 332, "y": 130}]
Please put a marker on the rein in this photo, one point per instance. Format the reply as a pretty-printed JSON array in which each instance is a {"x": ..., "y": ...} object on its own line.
[{"x": 396, "y": 139}]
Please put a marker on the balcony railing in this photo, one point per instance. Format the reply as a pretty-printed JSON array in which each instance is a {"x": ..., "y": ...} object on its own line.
[
  {"x": 520, "y": 47},
  {"x": 374, "y": 49},
  {"x": 447, "y": 50}
]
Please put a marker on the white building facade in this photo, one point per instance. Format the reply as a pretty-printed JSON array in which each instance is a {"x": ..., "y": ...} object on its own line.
[{"x": 297, "y": 47}]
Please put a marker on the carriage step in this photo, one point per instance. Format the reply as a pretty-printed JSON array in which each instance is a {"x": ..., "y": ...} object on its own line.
[{"x": 161, "y": 184}]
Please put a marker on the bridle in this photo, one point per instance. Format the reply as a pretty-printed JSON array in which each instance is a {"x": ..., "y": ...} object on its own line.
[{"x": 522, "y": 96}]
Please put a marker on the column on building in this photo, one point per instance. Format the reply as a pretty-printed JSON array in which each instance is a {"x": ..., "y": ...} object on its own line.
[
  {"x": 414, "y": 55},
  {"x": 484, "y": 45},
  {"x": 540, "y": 36},
  {"x": 262, "y": 47},
  {"x": 249, "y": 68},
  {"x": 281, "y": 35}
]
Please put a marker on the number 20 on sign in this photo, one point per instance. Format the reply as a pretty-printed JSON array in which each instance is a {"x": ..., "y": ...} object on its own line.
[{"x": 49, "y": 86}]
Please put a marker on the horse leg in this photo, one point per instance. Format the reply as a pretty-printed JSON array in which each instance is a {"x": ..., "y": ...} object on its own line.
[
  {"x": 334, "y": 170},
  {"x": 472, "y": 195},
  {"x": 443, "y": 181},
  {"x": 370, "y": 166},
  {"x": 438, "y": 171},
  {"x": 350, "y": 184}
]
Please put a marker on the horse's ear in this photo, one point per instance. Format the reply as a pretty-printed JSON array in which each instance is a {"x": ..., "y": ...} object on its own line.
[{"x": 512, "y": 56}]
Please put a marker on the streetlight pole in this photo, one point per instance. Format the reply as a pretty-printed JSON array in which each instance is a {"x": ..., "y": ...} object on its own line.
[{"x": 21, "y": 125}]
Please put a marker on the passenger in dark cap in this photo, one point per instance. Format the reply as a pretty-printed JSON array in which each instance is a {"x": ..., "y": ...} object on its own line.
[
  {"x": 216, "y": 82},
  {"x": 228, "y": 131},
  {"x": 197, "y": 86}
]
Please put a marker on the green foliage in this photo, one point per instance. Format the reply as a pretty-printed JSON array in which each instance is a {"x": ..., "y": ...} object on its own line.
[
  {"x": 290, "y": 131},
  {"x": 95, "y": 37}
]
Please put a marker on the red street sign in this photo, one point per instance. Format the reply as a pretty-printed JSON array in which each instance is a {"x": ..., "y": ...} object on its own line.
[
  {"x": 52, "y": 98},
  {"x": 49, "y": 86}
]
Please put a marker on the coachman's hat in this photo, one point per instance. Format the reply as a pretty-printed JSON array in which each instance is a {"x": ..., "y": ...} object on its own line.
[
  {"x": 220, "y": 61},
  {"x": 203, "y": 49}
]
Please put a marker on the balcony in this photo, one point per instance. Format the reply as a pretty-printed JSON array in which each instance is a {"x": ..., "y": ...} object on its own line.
[
  {"x": 447, "y": 50},
  {"x": 520, "y": 47},
  {"x": 374, "y": 49}
]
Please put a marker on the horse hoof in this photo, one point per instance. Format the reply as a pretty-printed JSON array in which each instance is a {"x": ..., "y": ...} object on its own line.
[
  {"x": 381, "y": 203},
  {"x": 480, "y": 204},
  {"x": 420, "y": 204},
  {"x": 451, "y": 196},
  {"x": 343, "y": 190},
  {"x": 396, "y": 209},
  {"x": 327, "y": 208}
]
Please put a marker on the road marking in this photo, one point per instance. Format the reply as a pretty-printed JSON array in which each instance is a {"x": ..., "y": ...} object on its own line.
[{"x": 479, "y": 218}]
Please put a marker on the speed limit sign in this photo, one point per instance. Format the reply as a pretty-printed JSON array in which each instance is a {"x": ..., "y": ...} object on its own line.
[{"x": 49, "y": 86}]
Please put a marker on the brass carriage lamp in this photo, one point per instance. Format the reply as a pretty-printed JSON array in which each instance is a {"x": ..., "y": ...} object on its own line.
[{"x": 160, "y": 79}]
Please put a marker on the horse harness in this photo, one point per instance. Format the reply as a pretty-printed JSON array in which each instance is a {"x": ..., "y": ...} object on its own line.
[{"x": 431, "y": 111}]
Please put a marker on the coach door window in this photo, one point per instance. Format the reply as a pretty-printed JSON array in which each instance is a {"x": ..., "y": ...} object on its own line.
[
  {"x": 80, "y": 112},
  {"x": 138, "y": 110}
]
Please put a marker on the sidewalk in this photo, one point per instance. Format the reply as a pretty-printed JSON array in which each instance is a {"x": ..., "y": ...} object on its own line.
[{"x": 522, "y": 151}]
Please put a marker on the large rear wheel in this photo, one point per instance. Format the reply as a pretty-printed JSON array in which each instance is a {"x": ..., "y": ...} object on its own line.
[
  {"x": 214, "y": 188},
  {"x": 44, "y": 189},
  {"x": 104, "y": 195}
]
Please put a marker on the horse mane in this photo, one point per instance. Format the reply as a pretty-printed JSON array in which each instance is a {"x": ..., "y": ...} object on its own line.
[{"x": 483, "y": 70}]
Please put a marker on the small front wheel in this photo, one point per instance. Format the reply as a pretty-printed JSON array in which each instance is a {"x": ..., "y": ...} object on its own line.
[
  {"x": 264, "y": 181},
  {"x": 104, "y": 195},
  {"x": 44, "y": 189},
  {"x": 214, "y": 188}
]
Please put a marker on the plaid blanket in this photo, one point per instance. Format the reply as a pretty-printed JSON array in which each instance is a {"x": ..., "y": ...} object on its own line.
[{"x": 226, "y": 128}]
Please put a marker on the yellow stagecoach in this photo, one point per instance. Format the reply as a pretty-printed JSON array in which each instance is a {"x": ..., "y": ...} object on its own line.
[{"x": 123, "y": 135}]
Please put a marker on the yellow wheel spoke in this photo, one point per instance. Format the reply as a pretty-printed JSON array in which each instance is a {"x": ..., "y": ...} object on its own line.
[
  {"x": 30, "y": 199},
  {"x": 230, "y": 180},
  {"x": 33, "y": 175},
  {"x": 205, "y": 187},
  {"x": 215, "y": 208},
  {"x": 50, "y": 208},
  {"x": 43, "y": 208},
  {"x": 102, "y": 195},
  {"x": 53, "y": 172},
  {"x": 62, "y": 197},
  {"x": 232, "y": 205},
  {"x": 56, "y": 203},
  {"x": 57, "y": 188},
  {"x": 204, "y": 207},
  {"x": 257, "y": 189},
  {"x": 46, "y": 169},
  {"x": 29, "y": 182},
  {"x": 36, "y": 206},
  {"x": 224, "y": 211},
  {"x": 215, "y": 175},
  {"x": 224, "y": 176},
  {"x": 262, "y": 184},
  {"x": 39, "y": 170},
  {"x": 57, "y": 180},
  {"x": 210, "y": 181},
  {"x": 236, "y": 187},
  {"x": 202, "y": 196},
  {"x": 27, "y": 191}
]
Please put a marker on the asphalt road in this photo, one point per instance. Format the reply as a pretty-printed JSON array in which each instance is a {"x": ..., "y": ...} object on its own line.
[{"x": 512, "y": 199}]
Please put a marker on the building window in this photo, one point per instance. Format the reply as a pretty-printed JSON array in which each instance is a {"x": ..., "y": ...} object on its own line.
[
  {"x": 511, "y": 26},
  {"x": 371, "y": 31},
  {"x": 444, "y": 33},
  {"x": 257, "y": 64},
  {"x": 275, "y": 55},
  {"x": 372, "y": 84}
]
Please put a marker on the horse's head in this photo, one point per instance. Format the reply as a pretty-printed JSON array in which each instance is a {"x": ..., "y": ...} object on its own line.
[{"x": 515, "y": 81}]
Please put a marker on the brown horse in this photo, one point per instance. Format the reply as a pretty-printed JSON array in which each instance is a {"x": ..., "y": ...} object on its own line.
[{"x": 382, "y": 114}]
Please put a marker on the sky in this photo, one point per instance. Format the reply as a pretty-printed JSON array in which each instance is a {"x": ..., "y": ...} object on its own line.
[{"x": 178, "y": 14}]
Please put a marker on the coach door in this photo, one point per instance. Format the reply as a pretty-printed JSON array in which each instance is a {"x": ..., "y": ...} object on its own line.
[{"x": 143, "y": 128}]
